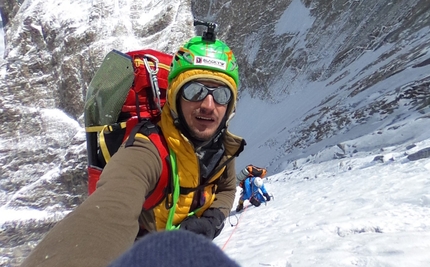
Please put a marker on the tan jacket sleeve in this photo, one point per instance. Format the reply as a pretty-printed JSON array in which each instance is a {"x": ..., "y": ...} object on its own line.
[
  {"x": 226, "y": 190},
  {"x": 106, "y": 223}
]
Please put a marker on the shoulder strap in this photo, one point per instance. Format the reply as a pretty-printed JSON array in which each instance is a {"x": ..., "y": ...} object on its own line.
[{"x": 164, "y": 184}]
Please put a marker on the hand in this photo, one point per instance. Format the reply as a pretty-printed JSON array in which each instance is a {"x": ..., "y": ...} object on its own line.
[
  {"x": 255, "y": 201},
  {"x": 209, "y": 225},
  {"x": 266, "y": 195}
]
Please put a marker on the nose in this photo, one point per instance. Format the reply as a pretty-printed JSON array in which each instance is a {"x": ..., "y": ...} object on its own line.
[{"x": 208, "y": 103}]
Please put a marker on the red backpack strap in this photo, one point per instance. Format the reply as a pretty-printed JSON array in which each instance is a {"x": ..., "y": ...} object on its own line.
[
  {"x": 153, "y": 132},
  {"x": 160, "y": 191}
]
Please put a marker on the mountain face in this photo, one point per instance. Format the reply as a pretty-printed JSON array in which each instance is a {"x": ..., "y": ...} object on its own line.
[{"x": 362, "y": 64}]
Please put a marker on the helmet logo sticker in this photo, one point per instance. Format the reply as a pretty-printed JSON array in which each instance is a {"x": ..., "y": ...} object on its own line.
[
  {"x": 210, "y": 62},
  {"x": 233, "y": 66}
]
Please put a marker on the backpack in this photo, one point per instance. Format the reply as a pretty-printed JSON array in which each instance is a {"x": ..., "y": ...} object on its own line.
[
  {"x": 250, "y": 171},
  {"x": 256, "y": 171},
  {"x": 124, "y": 97}
]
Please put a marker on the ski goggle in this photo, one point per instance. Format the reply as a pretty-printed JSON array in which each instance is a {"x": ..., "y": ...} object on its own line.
[{"x": 195, "y": 92}]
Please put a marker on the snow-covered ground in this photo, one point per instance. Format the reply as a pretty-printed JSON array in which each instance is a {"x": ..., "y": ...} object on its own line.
[{"x": 354, "y": 211}]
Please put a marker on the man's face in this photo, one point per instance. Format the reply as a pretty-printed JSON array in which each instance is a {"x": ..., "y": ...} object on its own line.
[{"x": 203, "y": 117}]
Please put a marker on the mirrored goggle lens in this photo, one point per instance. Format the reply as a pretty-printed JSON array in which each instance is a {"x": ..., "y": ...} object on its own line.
[{"x": 195, "y": 92}]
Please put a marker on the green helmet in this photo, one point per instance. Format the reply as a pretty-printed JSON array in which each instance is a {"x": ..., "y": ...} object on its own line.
[{"x": 200, "y": 54}]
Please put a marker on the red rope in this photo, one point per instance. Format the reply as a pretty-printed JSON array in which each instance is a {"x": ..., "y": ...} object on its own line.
[{"x": 234, "y": 230}]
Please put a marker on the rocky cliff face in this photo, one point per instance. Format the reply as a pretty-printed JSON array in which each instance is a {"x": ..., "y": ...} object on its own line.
[
  {"x": 313, "y": 40},
  {"x": 53, "y": 48},
  {"x": 339, "y": 51}
]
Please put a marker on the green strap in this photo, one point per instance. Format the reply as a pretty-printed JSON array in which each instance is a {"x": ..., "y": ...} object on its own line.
[
  {"x": 176, "y": 191},
  {"x": 169, "y": 224}
]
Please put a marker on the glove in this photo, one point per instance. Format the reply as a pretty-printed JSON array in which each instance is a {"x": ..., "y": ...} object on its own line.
[
  {"x": 255, "y": 202},
  {"x": 209, "y": 225},
  {"x": 266, "y": 195}
]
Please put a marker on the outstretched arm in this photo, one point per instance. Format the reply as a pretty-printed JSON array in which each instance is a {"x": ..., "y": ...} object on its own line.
[{"x": 106, "y": 223}]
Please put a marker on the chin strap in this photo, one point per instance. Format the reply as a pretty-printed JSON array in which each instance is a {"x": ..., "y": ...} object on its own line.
[{"x": 230, "y": 117}]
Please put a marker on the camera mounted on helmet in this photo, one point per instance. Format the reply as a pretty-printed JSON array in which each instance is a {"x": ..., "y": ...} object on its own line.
[{"x": 210, "y": 34}]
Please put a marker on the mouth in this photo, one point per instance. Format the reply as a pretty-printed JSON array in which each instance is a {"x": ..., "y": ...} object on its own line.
[{"x": 201, "y": 118}]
